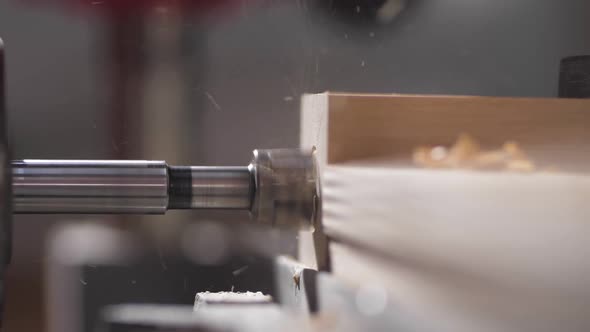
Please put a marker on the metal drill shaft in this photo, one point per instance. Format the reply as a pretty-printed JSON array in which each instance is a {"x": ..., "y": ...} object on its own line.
[
  {"x": 279, "y": 187},
  {"x": 202, "y": 187},
  {"x": 113, "y": 186}
]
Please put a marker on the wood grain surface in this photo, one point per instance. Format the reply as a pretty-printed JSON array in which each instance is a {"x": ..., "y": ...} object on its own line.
[{"x": 458, "y": 250}]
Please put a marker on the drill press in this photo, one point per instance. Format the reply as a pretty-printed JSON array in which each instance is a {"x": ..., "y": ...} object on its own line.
[{"x": 278, "y": 187}]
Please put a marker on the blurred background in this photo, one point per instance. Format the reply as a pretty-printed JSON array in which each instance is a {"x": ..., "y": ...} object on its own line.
[{"x": 206, "y": 82}]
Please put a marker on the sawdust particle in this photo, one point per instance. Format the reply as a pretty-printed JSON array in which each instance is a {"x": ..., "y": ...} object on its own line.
[
  {"x": 213, "y": 101},
  {"x": 297, "y": 280},
  {"x": 240, "y": 270}
]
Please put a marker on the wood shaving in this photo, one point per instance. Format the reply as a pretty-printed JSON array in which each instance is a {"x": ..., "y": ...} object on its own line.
[
  {"x": 211, "y": 298},
  {"x": 466, "y": 153}
]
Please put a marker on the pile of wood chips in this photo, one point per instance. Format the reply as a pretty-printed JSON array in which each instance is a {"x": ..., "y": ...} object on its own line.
[{"x": 466, "y": 153}]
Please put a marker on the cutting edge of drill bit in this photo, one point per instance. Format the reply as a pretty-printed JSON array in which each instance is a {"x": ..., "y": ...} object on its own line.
[{"x": 287, "y": 188}]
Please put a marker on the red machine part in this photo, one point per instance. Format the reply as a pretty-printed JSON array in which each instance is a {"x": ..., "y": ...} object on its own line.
[{"x": 134, "y": 7}]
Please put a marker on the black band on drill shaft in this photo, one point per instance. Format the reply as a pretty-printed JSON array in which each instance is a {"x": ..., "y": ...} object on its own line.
[{"x": 179, "y": 187}]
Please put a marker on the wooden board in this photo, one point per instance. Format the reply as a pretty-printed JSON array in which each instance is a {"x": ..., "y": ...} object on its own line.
[
  {"x": 470, "y": 250},
  {"x": 426, "y": 299},
  {"x": 352, "y": 127}
]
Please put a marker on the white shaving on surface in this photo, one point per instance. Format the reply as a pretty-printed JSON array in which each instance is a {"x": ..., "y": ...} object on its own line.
[{"x": 209, "y": 298}]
